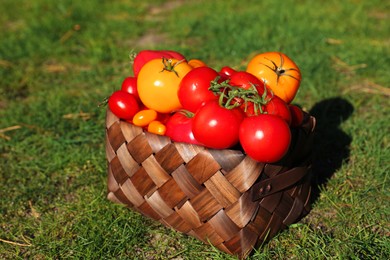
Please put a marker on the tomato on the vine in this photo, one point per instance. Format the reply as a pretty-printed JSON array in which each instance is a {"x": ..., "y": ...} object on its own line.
[
  {"x": 145, "y": 56},
  {"x": 246, "y": 80},
  {"x": 124, "y": 105},
  {"x": 194, "y": 88},
  {"x": 265, "y": 138},
  {"x": 217, "y": 127},
  {"x": 158, "y": 84},
  {"x": 280, "y": 73},
  {"x": 276, "y": 106}
]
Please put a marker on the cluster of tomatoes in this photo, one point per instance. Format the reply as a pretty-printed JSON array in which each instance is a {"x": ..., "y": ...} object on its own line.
[{"x": 191, "y": 102}]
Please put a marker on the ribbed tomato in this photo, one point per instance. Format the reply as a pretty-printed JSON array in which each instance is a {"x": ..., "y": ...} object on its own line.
[{"x": 280, "y": 73}]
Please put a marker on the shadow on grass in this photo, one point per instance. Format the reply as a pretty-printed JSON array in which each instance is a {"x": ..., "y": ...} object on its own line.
[{"x": 331, "y": 144}]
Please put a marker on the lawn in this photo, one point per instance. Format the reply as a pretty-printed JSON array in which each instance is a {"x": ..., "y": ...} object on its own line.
[{"x": 60, "y": 59}]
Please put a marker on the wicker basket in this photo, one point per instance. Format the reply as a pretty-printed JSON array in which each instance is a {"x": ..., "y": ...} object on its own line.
[{"x": 222, "y": 197}]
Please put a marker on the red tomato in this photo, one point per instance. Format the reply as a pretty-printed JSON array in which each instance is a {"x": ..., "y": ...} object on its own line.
[
  {"x": 194, "y": 88},
  {"x": 276, "y": 106},
  {"x": 251, "y": 110},
  {"x": 296, "y": 115},
  {"x": 265, "y": 138},
  {"x": 246, "y": 80},
  {"x": 179, "y": 128},
  {"x": 217, "y": 127},
  {"x": 146, "y": 55},
  {"x": 124, "y": 105},
  {"x": 129, "y": 85},
  {"x": 226, "y": 72}
]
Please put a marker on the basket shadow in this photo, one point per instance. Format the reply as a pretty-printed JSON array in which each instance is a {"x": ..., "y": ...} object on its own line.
[{"x": 332, "y": 145}]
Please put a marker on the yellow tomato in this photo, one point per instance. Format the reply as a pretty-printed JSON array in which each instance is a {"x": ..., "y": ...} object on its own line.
[
  {"x": 195, "y": 63},
  {"x": 156, "y": 127},
  {"x": 144, "y": 117},
  {"x": 279, "y": 72},
  {"x": 158, "y": 83}
]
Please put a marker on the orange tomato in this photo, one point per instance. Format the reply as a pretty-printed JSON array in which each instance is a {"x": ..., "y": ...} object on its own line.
[
  {"x": 195, "y": 63},
  {"x": 144, "y": 117},
  {"x": 158, "y": 83},
  {"x": 156, "y": 127},
  {"x": 279, "y": 72}
]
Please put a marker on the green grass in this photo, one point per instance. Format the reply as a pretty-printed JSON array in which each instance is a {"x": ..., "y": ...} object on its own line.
[{"x": 59, "y": 59}]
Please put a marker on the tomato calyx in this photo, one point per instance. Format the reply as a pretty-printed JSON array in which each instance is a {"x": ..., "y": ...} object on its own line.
[
  {"x": 169, "y": 65},
  {"x": 231, "y": 97},
  {"x": 280, "y": 70},
  {"x": 185, "y": 112}
]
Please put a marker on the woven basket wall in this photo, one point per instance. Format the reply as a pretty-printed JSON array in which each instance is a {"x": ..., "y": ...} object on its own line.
[{"x": 221, "y": 197}]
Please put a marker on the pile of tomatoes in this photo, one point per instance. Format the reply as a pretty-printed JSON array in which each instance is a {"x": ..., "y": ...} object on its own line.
[{"x": 191, "y": 102}]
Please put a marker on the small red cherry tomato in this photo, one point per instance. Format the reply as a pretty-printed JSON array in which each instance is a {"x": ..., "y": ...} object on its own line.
[
  {"x": 226, "y": 72},
  {"x": 124, "y": 105},
  {"x": 129, "y": 85}
]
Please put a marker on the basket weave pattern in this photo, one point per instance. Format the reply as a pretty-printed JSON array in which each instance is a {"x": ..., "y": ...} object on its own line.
[{"x": 222, "y": 197}]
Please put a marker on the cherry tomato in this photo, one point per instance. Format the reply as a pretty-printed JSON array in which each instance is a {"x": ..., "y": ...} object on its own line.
[
  {"x": 144, "y": 117},
  {"x": 156, "y": 127},
  {"x": 194, "y": 88},
  {"x": 179, "y": 128},
  {"x": 129, "y": 85},
  {"x": 147, "y": 55},
  {"x": 227, "y": 72},
  {"x": 217, "y": 127},
  {"x": 296, "y": 115},
  {"x": 195, "y": 63},
  {"x": 124, "y": 105},
  {"x": 265, "y": 138},
  {"x": 280, "y": 72},
  {"x": 158, "y": 84},
  {"x": 276, "y": 106}
]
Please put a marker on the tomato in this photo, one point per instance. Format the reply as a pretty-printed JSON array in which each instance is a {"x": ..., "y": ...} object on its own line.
[
  {"x": 217, "y": 127},
  {"x": 129, "y": 85},
  {"x": 246, "y": 80},
  {"x": 124, "y": 105},
  {"x": 158, "y": 84},
  {"x": 194, "y": 88},
  {"x": 144, "y": 117},
  {"x": 147, "y": 55},
  {"x": 265, "y": 138},
  {"x": 276, "y": 106},
  {"x": 226, "y": 72},
  {"x": 195, "y": 63},
  {"x": 179, "y": 128},
  {"x": 156, "y": 127},
  {"x": 280, "y": 72},
  {"x": 296, "y": 115}
]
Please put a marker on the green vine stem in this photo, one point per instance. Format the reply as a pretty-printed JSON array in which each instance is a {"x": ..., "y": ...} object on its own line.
[{"x": 232, "y": 96}]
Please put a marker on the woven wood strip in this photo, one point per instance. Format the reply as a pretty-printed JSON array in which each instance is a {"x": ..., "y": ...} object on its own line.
[{"x": 221, "y": 197}]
